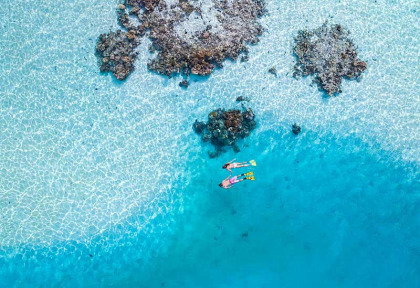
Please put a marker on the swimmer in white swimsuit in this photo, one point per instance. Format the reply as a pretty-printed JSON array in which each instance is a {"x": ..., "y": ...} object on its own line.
[{"x": 229, "y": 165}]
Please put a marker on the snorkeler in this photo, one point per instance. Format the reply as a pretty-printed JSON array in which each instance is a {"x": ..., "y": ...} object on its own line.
[
  {"x": 229, "y": 181},
  {"x": 229, "y": 165}
]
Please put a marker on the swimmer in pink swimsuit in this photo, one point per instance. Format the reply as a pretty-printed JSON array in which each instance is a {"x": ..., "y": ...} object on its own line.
[
  {"x": 228, "y": 166},
  {"x": 229, "y": 181}
]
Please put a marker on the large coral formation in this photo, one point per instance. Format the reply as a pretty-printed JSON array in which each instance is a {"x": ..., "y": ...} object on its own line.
[
  {"x": 117, "y": 54},
  {"x": 328, "y": 53},
  {"x": 224, "y": 128},
  {"x": 189, "y": 36}
]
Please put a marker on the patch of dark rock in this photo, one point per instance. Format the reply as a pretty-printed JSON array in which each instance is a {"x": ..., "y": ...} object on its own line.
[
  {"x": 184, "y": 83},
  {"x": 244, "y": 235},
  {"x": 242, "y": 99},
  {"x": 225, "y": 127},
  {"x": 329, "y": 54},
  {"x": 296, "y": 129},
  {"x": 245, "y": 58},
  {"x": 273, "y": 71}
]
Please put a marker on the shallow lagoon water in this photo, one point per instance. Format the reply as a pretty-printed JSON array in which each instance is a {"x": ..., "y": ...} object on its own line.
[{"x": 105, "y": 183}]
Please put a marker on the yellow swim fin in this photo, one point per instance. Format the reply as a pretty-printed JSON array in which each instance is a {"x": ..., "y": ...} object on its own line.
[
  {"x": 249, "y": 174},
  {"x": 253, "y": 163},
  {"x": 250, "y": 178}
]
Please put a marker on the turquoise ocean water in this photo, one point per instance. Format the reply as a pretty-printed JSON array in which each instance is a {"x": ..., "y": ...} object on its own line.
[{"x": 104, "y": 183}]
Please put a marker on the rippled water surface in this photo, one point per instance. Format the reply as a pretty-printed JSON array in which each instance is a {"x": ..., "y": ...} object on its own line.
[{"x": 105, "y": 183}]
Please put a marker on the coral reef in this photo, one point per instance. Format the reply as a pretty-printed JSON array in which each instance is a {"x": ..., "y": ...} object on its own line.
[
  {"x": 189, "y": 36},
  {"x": 116, "y": 53},
  {"x": 329, "y": 54},
  {"x": 224, "y": 128}
]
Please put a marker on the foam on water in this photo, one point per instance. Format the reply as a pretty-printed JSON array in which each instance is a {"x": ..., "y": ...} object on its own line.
[{"x": 89, "y": 165}]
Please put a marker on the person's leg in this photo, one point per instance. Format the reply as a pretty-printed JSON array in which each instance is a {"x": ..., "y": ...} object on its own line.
[
  {"x": 243, "y": 165},
  {"x": 242, "y": 175},
  {"x": 247, "y": 174},
  {"x": 236, "y": 180}
]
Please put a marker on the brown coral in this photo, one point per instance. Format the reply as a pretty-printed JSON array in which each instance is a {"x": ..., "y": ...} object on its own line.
[
  {"x": 329, "y": 54},
  {"x": 198, "y": 52}
]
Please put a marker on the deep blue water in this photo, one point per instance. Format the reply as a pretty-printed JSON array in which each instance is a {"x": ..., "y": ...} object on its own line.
[
  {"x": 104, "y": 183},
  {"x": 322, "y": 213}
]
